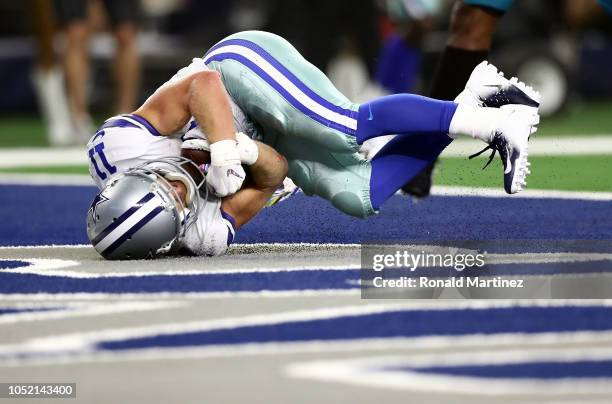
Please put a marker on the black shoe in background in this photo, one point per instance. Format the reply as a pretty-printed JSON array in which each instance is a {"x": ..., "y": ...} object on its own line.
[{"x": 420, "y": 186}]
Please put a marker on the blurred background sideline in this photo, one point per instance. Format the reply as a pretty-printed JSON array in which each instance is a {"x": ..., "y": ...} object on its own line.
[{"x": 66, "y": 65}]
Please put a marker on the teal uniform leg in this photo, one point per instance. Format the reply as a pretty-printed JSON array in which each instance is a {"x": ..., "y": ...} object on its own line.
[{"x": 300, "y": 113}]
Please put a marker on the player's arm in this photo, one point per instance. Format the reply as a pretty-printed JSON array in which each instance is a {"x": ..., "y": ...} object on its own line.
[
  {"x": 203, "y": 96},
  {"x": 264, "y": 177}
]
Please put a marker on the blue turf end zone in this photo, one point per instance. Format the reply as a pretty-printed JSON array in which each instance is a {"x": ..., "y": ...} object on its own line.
[{"x": 39, "y": 215}]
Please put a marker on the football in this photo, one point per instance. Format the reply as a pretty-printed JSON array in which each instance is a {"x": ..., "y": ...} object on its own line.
[{"x": 198, "y": 156}]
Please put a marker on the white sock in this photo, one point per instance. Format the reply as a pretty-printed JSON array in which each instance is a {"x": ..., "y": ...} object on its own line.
[
  {"x": 477, "y": 122},
  {"x": 49, "y": 87},
  {"x": 467, "y": 97}
]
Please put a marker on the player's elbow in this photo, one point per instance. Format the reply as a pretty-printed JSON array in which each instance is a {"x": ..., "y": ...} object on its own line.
[
  {"x": 275, "y": 173},
  {"x": 283, "y": 168}
]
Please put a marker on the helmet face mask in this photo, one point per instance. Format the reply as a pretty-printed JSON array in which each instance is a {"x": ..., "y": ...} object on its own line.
[
  {"x": 140, "y": 214},
  {"x": 166, "y": 169}
]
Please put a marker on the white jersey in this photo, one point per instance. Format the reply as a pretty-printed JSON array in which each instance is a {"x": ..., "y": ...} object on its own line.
[{"x": 126, "y": 141}]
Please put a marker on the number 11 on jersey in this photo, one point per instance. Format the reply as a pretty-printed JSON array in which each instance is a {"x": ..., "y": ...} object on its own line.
[{"x": 98, "y": 151}]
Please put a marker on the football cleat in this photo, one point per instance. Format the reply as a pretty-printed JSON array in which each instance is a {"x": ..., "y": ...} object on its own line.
[
  {"x": 487, "y": 87},
  {"x": 511, "y": 141}
]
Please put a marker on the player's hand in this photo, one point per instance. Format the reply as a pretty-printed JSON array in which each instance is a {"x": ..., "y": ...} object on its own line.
[
  {"x": 225, "y": 175},
  {"x": 247, "y": 149}
]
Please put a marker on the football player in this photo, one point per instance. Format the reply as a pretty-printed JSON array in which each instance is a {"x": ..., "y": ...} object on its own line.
[
  {"x": 472, "y": 25},
  {"x": 255, "y": 85}
]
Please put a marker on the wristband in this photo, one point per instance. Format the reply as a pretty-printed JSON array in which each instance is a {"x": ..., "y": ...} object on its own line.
[
  {"x": 224, "y": 152},
  {"x": 249, "y": 152}
]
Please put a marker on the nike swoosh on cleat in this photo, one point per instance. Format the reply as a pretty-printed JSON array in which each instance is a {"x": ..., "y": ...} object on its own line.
[{"x": 508, "y": 163}]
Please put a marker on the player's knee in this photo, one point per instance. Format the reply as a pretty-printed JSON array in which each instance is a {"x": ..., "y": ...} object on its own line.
[
  {"x": 352, "y": 204},
  {"x": 205, "y": 77},
  {"x": 471, "y": 27},
  {"x": 283, "y": 167},
  {"x": 200, "y": 81}
]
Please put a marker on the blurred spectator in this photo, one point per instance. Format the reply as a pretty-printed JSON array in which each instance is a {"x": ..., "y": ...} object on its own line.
[
  {"x": 319, "y": 29},
  {"x": 409, "y": 23},
  {"x": 349, "y": 73},
  {"x": 340, "y": 37},
  {"x": 581, "y": 12},
  {"x": 403, "y": 25},
  {"x": 76, "y": 18},
  {"x": 47, "y": 76}
]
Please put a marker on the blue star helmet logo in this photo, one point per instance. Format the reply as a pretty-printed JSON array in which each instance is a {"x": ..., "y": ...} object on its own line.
[{"x": 100, "y": 198}]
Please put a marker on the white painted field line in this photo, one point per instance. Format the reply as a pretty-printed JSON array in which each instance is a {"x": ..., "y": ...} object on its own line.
[
  {"x": 264, "y": 294},
  {"x": 72, "y": 309},
  {"x": 40, "y": 268},
  {"x": 287, "y": 246},
  {"x": 442, "y": 190},
  {"x": 56, "y": 268},
  {"x": 42, "y": 247},
  {"x": 383, "y": 371},
  {"x": 543, "y": 146},
  {"x": 46, "y": 179},
  {"x": 291, "y": 245},
  {"x": 84, "y": 180},
  {"x": 42, "y": 157},
  {"x": 549, "y": 146}
]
